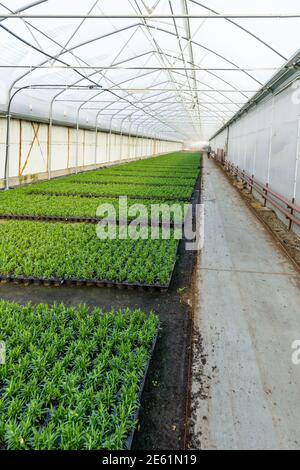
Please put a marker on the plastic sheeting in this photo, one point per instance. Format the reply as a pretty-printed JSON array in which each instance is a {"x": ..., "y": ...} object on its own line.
[
  {"x": 30, "y": 145},
  {"x": 189, "y": 76},
  {"x": 265, "y": 143}
]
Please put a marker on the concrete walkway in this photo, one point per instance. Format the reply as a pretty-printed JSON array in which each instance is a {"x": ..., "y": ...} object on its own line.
[{"x": 246, "y": 390}]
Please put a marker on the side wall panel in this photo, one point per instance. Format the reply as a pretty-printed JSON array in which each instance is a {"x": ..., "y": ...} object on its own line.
[
  {"x": 265, "y": 142},
  {"x": 34, "y": 150}
]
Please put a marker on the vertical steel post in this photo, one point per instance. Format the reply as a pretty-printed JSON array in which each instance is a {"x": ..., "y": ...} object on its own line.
[
  {"x": 129, "y": 141},
  {"x": 77, "y": 141},
  {"x": 96, "y": 139},
  {"x": 271, "y": 140},
  {"x": 109, "y": 156},
  {"x": 50, "y": 139},
  {"x": 137, "y": 141},
  {"x": 6, "y": 167},
  {"x": 121, "y": 138}
]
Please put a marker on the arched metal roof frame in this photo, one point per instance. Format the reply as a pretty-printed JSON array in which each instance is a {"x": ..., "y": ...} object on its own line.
[
  {"x": 98, "y": 38},
  {"x": 176, "y": 72},
  {"x": 149, "y": 27},
  {"x": 140, "y": 76},
  {"x": 83, "y": 77},
  {"x": 164, "y": 60}
]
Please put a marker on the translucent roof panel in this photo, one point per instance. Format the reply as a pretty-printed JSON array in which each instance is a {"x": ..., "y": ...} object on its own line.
[{"x": 165, "y": 67}]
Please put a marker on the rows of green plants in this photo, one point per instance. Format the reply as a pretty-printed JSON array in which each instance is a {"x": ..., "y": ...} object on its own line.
[
  {"x": 73, "y": 251},
  {"x": 161, "y": 167},
  {"x": 62, "y": 187},
  {"x": 180, "y": 159},
  {"x": 138, "y": 173},
  {"x": 49, "y": 251},
  {"x": 136, "y": 185},
  {"x": 72, "y": 376},
  {"x": 103, "y": 178},
  {"x": 13, "y": 203},
  {"x": 162, "y": 171},
  {"x": 69, "y": 201},
  {"x": 178, "y": 165}
]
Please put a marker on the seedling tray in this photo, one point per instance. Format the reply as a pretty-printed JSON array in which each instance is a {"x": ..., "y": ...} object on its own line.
[
  {"x": 111, "y": 183},
  {"x": 91, "y": 282},
  {"x": 135, "y": 174},
  {"x": 81, "y": 283},
  {"x": 57, "y": 282},
  {"x": 161, "y": 198},
  {"x": 129, "y": 440}
]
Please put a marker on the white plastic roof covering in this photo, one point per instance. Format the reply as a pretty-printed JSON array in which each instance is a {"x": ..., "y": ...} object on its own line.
[{"x": 178, "y": 78}]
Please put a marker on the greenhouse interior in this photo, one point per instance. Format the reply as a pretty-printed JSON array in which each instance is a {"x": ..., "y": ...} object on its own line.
[{"x": 149, "y": 228}]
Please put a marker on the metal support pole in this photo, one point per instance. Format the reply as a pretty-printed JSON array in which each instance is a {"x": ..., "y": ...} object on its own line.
[
  {"x": 137, "y": 141},
  {"x": 96, "y": 139},
  {"x": 6, "y": 167},
  {"x": 109, "y": 159},
  {"x": 129, "y": 143},
  {"x": 271, "y": 140},
  {"x": 296, "y": 162},
  {"x": 50, "y": 140},
  {"x": 8, "y": 123},
  {"x": 77, "y": 141},
  {"x": 121, "y": 138},
  {"x": 96, "y": 145}
]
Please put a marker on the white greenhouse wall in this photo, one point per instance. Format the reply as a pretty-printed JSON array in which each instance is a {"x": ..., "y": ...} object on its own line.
[
  {"x": 219, "y": 142},
  {"x": 31, "y": 143},
  {"x": 265, "y": 142}
]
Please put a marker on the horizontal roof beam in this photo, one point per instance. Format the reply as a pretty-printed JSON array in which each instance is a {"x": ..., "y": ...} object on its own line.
[
  {"x": 152, "y": 102},
  {"x": 141, "y": 67},
  {"x": 150, "y": 17},
  {"x": 186, "y": 90}
]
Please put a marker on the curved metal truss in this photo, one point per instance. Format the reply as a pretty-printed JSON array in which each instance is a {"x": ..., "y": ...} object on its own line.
[{"x": 174, "y": 68}]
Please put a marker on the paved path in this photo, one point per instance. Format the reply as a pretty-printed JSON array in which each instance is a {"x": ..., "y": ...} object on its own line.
[{"x": 248, "y": 314}]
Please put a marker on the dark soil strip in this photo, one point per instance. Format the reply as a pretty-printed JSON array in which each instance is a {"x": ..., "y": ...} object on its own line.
[
  {"x": 105, "y": 196},
  {"x": 84, "y": 220},
  {"x": 141, "y": 173},
  {"x": 130, "y": 183}
]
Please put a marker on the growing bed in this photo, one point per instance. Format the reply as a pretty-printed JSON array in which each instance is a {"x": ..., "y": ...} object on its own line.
[
  {"x": 76, "y": 198},
  {"x": 103, "y": 178},
  {"x": 72, "y": 377},
  {"x": 151, "y": 172},
  {"x": 59, "y": 252},
  {"x": 13, "y": 203},
  {"x": 65, "y": 254},
  {"x": 60, "y": 187}
]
